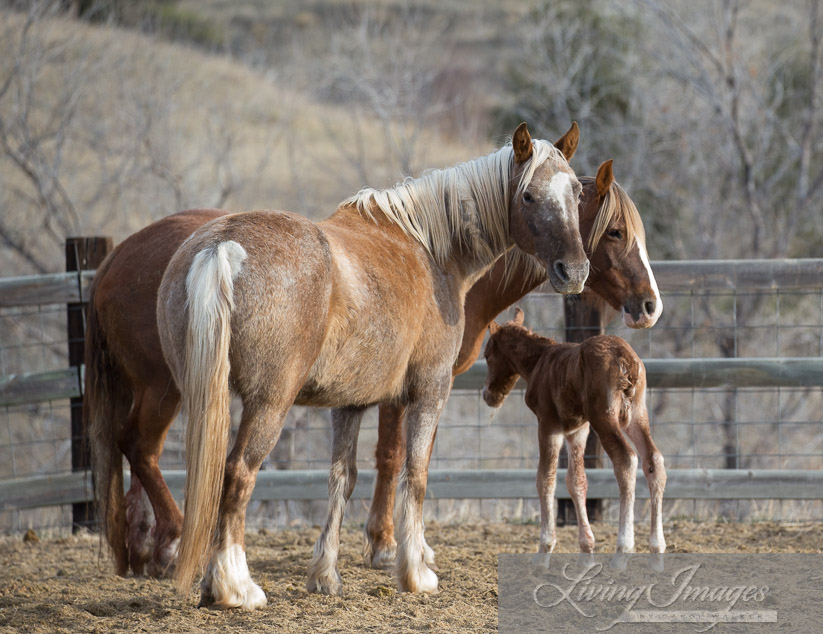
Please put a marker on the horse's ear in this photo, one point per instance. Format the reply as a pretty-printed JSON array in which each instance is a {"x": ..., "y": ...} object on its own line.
[
  {"x": 522, "y": 143},
  {"x": 568, "y": 142},
  {"x": 493, "y": 327},
  {"x": 604, "y": 178},
  {"x": 519, "y": 317}
]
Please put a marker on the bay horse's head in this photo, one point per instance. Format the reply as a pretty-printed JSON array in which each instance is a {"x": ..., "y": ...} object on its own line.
[
  {"x": 616, "y": 245},
  {"x": 543, "y": 207},
  {"x": 501, "y": 375}
]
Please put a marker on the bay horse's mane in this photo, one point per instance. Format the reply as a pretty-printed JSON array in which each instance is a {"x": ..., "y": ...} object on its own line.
[
  {"x": 617, "y": 204},
  {"x": 464, "y": 204}
]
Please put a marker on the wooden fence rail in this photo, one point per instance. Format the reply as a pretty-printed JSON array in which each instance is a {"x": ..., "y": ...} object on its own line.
[
  {"x": 702, "y": 484},
  {"x": 698, "y": 276}
]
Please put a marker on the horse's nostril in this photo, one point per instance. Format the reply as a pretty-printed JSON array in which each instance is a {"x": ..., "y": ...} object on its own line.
[
  {"x": 648, "y": 307},
  {"x": 560, "y": 271}
]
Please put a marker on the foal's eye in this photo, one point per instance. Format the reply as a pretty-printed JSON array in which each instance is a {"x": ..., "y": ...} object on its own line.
[
  {"x": 528, "y": 197},
  {"x": 616, "y": 234}
]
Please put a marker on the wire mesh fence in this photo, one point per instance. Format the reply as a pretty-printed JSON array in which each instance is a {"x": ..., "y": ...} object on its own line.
[{"x": 748, "y": 428}]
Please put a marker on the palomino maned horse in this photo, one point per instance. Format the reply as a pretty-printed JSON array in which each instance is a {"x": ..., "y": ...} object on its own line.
[
  {"x": 364, "y": 307},
  {"x": 571, "y": 386},
  {"x": 131, "y": 399},
  {"x": 613, "y": 235}
]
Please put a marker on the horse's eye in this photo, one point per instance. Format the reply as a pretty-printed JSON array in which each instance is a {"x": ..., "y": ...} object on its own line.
[
  {"x": 616, "y": 234},
  {"x": 528, "y": 197}
]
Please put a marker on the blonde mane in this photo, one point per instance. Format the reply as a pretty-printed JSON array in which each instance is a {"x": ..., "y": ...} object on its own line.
[
  {"x": 465, "y": 205},
  {"x": 615, "y": 206}
]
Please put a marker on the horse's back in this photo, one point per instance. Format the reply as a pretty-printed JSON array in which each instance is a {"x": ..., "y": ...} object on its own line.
[{"x": 124, "y": 290}]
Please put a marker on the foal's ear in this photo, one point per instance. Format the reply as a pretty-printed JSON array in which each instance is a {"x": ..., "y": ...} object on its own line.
[
  {"x": 568, "y": 142},
  {"x": 522, "y": 143},
  {"x": 519, "y": 317},
  {"x": 493, "y": 327},
  {"x": 604, "y": 178}
]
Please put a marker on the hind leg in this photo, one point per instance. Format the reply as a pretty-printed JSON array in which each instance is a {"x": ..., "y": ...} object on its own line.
[
  {"x": 323, "y": 575},
  {"x": 655, "y": 474},
  {"x": 153, "y": 531},
  {"x": 624, "y": 461},
  {"x": 380, "y": 546},
  {"x": 227, "y": 582},
  {"x": 577, "y": 485}
]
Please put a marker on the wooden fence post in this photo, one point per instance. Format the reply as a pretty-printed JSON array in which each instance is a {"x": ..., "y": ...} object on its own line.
[
  {"x": 583, "y": 320},
  {"x": 81, "y": 254}
]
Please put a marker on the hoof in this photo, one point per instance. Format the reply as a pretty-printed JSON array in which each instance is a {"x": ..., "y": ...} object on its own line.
[
  {"x": 619, "y": 561},
  {"x": 382, "y": 558},
  {"x": 248, "y": 596},
  {"x": 331, "y": 584},
  {"x": 421, "y": 579}
]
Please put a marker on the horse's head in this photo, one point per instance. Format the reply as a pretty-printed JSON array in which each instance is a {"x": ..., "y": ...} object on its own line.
[
  {"x": 543, "y": 208},
  {"x": 501, "y": 374},
  {"x": 616, "y": 244}
]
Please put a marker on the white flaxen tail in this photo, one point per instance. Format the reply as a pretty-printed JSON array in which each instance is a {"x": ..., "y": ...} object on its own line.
[{"x": 205, "y": 391}]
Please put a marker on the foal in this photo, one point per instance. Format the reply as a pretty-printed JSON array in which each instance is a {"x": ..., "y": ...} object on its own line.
[{"x": 569, "y": 386}]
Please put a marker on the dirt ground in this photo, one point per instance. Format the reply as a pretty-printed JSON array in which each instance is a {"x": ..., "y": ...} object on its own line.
[{"x": 63, "y": 585}]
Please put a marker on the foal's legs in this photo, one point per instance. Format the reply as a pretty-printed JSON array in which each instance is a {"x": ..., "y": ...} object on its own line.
[
  {"x": 578, "y": 486},
  {"x": 549, "y": 445},
  {"x": 227, "y": 582},
  {"x": 323, "y": 575},
  {"x": 413, "y": 575},
  {"x": 655, "y": 474},
  {"x": 153, "y": 532},
  {"x": 380, "y": 547},
  {"x": 624, "y": 461}
]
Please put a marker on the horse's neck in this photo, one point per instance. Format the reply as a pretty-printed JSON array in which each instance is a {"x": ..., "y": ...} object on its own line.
[{"x": 524, "y": 350}]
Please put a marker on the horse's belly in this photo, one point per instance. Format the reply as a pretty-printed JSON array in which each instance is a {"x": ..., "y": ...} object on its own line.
[{"x": 345, "y": 381}]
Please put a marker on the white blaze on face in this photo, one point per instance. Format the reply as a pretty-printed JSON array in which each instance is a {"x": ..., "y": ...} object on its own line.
[
  {"x": 558, "y": 189},
  {"x": 658, "y": 303}
]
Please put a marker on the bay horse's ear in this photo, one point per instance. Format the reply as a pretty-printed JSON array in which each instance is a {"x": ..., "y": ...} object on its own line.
[
  {"x": 604, "y": 178},
  {"x": 568, "y": 142},
  {"x": 522, "y": 143},
  {"x": 493, "y": 327},
  {"x": 519, "y": 317}
]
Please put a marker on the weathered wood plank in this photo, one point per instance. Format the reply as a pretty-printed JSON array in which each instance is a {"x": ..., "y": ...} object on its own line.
[
  {"x": 54, "y": 288},
  {"x": 738, "y": 372},
  {"x": 51, "y": 490},
  {"x": 705, "y": 484},
  {"x": 36, "y": 387},
  {"x": 701, "y": 373},
  {"x": 738, "y": 274}
]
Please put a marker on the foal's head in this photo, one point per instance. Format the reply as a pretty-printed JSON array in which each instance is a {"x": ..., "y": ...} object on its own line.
[
  {"x": 617, "y": 249},
  {"x": 543, "y": 208},
  {"x": 501, "y": 374}
]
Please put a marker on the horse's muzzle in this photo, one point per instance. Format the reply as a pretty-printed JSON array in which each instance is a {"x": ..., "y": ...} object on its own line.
[{"x": 566, "y": 279}]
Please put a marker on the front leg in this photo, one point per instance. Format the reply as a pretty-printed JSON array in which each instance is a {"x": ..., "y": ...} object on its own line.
[
  {"x": 380, "y": 547},
  {"x": 549, "y": 444},
  {"x": 424, "y": 409},
  {"x": 578, "y": 486}
]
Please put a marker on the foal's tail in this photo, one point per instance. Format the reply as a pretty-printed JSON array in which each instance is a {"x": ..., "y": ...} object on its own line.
[
  {"x": 632, "y": 385},
  {"x": 106, "y": 404},
  {"x": 205, "y": 391}
]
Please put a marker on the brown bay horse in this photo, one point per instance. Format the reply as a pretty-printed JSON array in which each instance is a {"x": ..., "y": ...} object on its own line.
[
  {"x": 362, "y": 308},
  {"x": 599, "y": 383},
  {"x": 620, "y": 276}
]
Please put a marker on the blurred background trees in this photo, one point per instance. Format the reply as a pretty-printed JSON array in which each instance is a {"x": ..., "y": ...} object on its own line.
[{"x": 115, "y": 113}]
